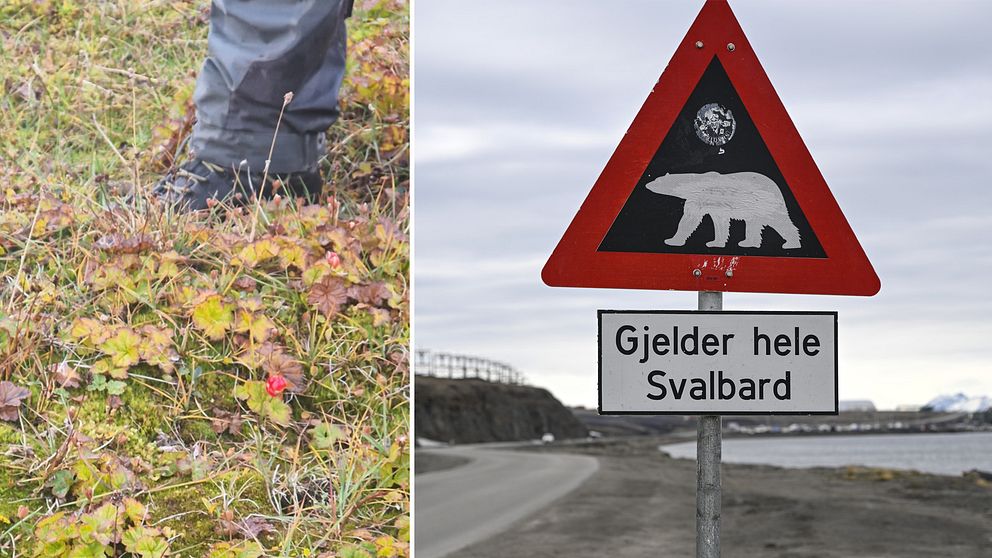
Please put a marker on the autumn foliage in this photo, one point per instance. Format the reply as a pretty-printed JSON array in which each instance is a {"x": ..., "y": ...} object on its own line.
[{"x": 229, "y": 383}]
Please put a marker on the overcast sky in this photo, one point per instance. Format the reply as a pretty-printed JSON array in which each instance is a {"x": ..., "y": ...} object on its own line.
[{"x": 518, "y": 105}]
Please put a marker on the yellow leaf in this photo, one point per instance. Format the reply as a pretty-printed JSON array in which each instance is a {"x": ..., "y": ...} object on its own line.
[
  {"x": 104, "y": 367},
  {"x": 135, "y": 510},
  {"x": 315, "y": 273},
  {"x": 250, "y": 304},
  {"x": 156, "y": 337},
  {"x": 39, "y": 227},
  {"x": 122, "y": 348},
  {"x": 167, "y": 267},
  {"x": 214, "y": 317},
  {"x": 257, "y": 252},
  {"x": 256, "y": 325},
  {"x": 89, "y": 330},
  {"x": 291, "y": 255}
]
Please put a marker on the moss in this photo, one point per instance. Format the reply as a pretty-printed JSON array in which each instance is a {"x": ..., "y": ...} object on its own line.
[
  {"x": 196, "y": 429},
  {"x": 212, "y": 390},
  {"x": 144, "y": 411},
  {"x": 320, "y": 396},
  {"x": 135, "y": 424},
  {"x": 186, "y": 507},
  {"x": 12, "y": 493},
  {"x": 215, "y": 389},
  {"x": 187, "y": 516},
  {"x": 9, "y": 435}
]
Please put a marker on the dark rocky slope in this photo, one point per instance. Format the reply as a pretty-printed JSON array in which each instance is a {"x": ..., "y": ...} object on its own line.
[{"x": 469, "y": 411}]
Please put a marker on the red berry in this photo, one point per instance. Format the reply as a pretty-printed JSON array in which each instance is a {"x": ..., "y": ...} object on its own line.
[
  {"x": 275, "y": 385},
  {"x": 334, "y": 259}
]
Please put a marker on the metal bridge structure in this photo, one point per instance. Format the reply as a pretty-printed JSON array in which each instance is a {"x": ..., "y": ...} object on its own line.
[{"x": 463, "y": 367}]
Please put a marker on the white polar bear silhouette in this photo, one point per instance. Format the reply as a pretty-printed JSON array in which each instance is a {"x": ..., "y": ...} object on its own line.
[{"x": 744, "y": 196}]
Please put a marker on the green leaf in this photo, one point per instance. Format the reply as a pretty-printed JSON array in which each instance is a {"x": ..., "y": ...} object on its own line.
[
  {"x": 60, "y": 482},
  {"x": 52, "y": 549},
  {"x": 278, "y": 411},
  {"x": 104, "y": 367},
  {"x": 354, "y": 551},
  {"x": 91, "y": 550},
  {"x": 100, "y": 525},
  {"x": 257, "y": 325},
  {"x": 98, "y": 383},
  {"x": 122, "y": 348},
  {"x": 115, "y": 387},
  {"x": 148, "y": 547},
  {"x": 214, "y": 317},
  {"x": 253, "y": 393},
  {"x": 258, "y": 400},
  {"x": 116, "y": 479},
  {"x": 250, "y": 549},
  {"x": 108, "y": 515},
  {"x": 4, "y": 335},
  {"x": 315, "y": 272},
  {"x": 85, "y": 473},
  {"x": 325, "y": 434},
  {"x": 258, "y": 251},
  {"x": 53, "y": 529},
  {"x": 131, "y": 537}
]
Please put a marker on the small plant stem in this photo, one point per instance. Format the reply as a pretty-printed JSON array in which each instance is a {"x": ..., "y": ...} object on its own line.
[
  {"x": 286, "y": 99},
  {"x": 24, "y": 255},
  {"x": 110, "y": 143},
  {"x": 138, "y": 192}
]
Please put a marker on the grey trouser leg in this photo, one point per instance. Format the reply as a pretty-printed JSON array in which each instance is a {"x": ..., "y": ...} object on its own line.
[{"x": 258, "y": 51}]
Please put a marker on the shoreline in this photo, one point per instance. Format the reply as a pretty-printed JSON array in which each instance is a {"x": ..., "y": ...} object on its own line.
[
  {"x": 432, "y": 458},
  {"x": 802, "y": 454}
]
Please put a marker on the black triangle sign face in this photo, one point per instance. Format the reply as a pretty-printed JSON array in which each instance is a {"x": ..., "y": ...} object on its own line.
[{"x": 713, "y": 187}]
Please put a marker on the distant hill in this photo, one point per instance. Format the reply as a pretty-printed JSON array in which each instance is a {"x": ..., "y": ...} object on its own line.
[
  {"x": 469, "y": 411},
  {"x": 631, "y": 425},
  {"x": 959, "y": 403}
]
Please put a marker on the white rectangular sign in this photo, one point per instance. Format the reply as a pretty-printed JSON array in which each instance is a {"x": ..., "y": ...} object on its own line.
[{"x": 727, "y": 363}]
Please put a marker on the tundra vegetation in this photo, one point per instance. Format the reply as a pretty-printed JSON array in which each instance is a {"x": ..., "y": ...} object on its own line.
[{"x": 224, "y": 384}]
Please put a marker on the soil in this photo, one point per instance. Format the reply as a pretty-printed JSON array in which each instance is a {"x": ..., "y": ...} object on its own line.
[{"x": 642, "y": 503}]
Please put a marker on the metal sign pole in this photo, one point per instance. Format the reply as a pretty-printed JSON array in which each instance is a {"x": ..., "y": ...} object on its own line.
[{"x": 708, "y": 454}]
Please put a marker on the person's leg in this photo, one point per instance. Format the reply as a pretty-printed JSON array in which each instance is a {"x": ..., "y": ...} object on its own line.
[{"x": 259, "y": 50}]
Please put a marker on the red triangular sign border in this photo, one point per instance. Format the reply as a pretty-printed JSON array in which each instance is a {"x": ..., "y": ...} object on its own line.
[{"x": 576, "y": 262}]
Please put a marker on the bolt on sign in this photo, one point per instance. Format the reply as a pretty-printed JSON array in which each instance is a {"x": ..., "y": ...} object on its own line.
[
  {"x": 671, "y": 362},
  {"x": 712, "y": 188}
]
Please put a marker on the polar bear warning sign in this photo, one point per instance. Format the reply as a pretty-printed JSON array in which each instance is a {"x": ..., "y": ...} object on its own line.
[{"x": 712, "y": 188}]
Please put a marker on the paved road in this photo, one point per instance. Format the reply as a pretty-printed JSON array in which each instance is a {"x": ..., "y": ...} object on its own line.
[{"x": 457, "y": 507}]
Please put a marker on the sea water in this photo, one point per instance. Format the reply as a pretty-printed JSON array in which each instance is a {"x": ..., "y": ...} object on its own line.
[{"x": 943, "y": 454}]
